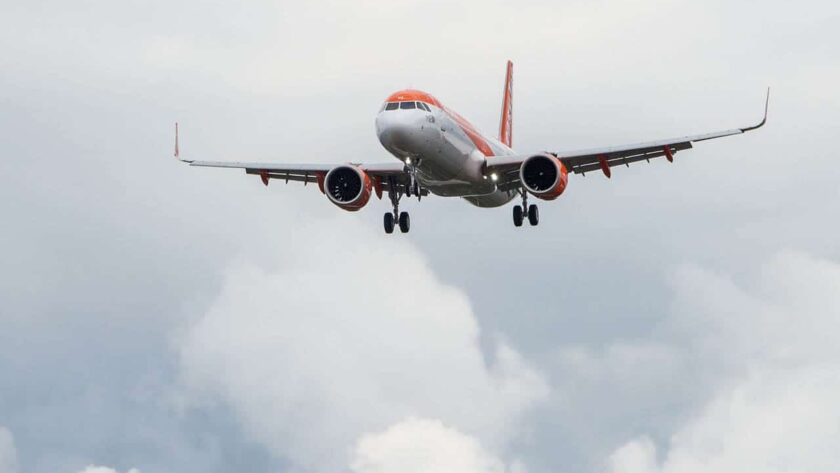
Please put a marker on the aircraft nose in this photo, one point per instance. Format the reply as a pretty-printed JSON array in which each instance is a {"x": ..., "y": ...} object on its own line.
[{"x": 395, "y": 131}]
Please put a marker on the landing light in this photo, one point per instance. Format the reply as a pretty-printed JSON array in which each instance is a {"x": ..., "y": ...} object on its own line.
[
  {"x": 494, "y": 177},
  {"x": 408, "y": 161}
]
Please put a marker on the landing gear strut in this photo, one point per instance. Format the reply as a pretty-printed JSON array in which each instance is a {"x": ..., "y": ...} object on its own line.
[
  {"x": 519, "y": 212},
  {"x": 414, "y": 185},
  {"x": 396, "y": 217}
]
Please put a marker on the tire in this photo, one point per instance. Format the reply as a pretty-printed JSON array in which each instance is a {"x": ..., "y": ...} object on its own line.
[
  {"x": 533, "y": 215},
  {"x": 405, "y": 222},
  {"x": 517, "y": 215},
  {"x": 388, "y": 222}
]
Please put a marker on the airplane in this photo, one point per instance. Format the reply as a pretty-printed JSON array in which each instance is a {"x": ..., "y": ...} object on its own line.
[{"x": 439, "y": 152}]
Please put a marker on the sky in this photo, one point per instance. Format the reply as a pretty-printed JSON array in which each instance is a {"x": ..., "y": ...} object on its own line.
[{"x": 675, "y": 318}]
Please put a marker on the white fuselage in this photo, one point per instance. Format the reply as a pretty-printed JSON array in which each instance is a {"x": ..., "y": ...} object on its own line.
[{"x": 449, "y": 153}]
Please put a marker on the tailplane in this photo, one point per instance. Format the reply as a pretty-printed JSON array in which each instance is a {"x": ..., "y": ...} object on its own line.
[{"x": 506, "y": 122}]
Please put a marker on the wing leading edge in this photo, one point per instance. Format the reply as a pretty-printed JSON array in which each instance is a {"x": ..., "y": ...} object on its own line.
[
  {"x": 299, "y": 172},
  {"x": 583, "y": 161}
]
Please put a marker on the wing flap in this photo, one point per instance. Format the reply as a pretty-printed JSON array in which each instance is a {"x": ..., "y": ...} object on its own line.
[
  {"x": 286, "y": 176},
  {"x": 584, "y": 168}
]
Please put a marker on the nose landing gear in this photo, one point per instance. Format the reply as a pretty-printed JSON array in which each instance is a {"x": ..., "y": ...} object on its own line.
[
  {"x": 396, "y": 217},
  {"x": 414, "y": 186},
  {"x": 519, "y": 211}
]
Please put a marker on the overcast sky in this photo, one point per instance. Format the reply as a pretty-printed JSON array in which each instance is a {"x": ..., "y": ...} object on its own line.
[{"x": 676, "y": 318}]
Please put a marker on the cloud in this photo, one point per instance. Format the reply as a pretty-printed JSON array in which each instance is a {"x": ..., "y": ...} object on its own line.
[
  {"x": 8, "y": 452},
  {"x": 315, "y": 348},
  {"x": 772, "y": 422},
  {"x": 257, "y": 57},
  {"x": 422, "y": 446},
  {"x": 785, "y": 314},
  {"x": 771, "y": 344},
  {"x": 638, "y": 456},
  {"x": 113, "y": 242},
  {"x": 105, "y": 469}
]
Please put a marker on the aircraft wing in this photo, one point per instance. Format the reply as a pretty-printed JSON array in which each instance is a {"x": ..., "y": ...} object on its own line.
[
  {"x": 583, "y": 161},
  {"x": 304, "y": 172}
]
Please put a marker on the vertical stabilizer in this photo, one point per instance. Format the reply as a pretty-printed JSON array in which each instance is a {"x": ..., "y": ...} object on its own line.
[{"x": 506, "y": 122}]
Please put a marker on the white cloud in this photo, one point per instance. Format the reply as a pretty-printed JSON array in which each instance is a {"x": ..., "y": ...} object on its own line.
[
  {"x": 774, "y": 407},
  {"x": 774, "y": 422},
  {"x": 638, "y": 456},
  {"x": 787, "y": 315},
  {"x": 105, "y": 469},
  {"x": 8, "y": 452},
  {"x": 422, "y": 446},
  {"x": 314, "y": 349}
]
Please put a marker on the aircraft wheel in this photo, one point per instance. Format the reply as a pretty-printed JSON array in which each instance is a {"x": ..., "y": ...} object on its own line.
[
  {"x": 405, "y": 222},
  {"x": 517, "y": 215},
  {"x": 389, "y": 222},
  {"x": 533, "y": 215}
]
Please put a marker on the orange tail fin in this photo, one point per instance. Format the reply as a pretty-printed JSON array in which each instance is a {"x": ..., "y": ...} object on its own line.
[{"x": 506, "y": 123}]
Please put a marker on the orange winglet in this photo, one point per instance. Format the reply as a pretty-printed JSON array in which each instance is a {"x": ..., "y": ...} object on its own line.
[
  {"x": 668, "y": 154},
  {"x": 605, "y": 166}
]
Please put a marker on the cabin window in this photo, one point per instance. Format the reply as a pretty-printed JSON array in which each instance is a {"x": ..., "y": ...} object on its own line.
[
  {"x": 407, "y": 105},
  {"x": 392, "y": 106}
]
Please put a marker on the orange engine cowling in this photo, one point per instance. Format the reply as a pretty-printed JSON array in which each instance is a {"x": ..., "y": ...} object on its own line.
[
  {"x": 348, "y": 187},
  {"x": 544, "y": 176}
]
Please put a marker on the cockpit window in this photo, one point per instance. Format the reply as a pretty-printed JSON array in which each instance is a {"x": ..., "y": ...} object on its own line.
[{"x": 405, "y": 106}]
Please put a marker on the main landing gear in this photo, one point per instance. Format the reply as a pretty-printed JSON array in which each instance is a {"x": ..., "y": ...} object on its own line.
[
  {"x": 520, "y": 211},
  {"x": 404, "y": 222},
  {"x": 396, "y": 217}
]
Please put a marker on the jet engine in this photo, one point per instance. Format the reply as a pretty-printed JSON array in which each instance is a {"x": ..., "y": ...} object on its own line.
[
  {"x": 544, "y": 176},
  {"x": 348, "y": 187}
]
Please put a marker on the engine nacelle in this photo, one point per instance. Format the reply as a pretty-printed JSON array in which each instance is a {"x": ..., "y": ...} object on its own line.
[
  {"x": 544, "y": 176},
  {"x": 348, "y": 187}
]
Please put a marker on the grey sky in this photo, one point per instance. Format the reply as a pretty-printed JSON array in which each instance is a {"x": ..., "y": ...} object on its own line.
[{"x": 614, "y": 337}]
